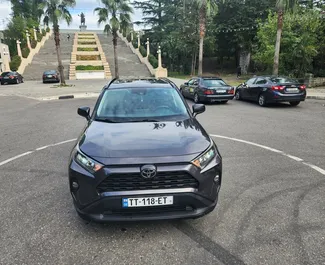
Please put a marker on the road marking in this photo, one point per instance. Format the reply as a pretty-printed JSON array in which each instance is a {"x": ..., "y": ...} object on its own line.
[
  {"x": 37, "y": 149},
  {"x": 15, "y": 157},
  {"x": 295, "y": 158}
]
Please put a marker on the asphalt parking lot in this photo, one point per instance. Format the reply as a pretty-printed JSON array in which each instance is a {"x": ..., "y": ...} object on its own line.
[{"x": 271, "y": 208}]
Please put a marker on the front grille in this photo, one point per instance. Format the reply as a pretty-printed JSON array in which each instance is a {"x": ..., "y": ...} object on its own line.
[{"x": 134, "y": 181}]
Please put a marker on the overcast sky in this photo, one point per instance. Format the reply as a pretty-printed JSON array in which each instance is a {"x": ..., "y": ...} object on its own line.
[{"x": 86, "y": 6}]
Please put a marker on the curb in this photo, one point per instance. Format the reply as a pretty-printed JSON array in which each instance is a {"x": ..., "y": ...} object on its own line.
[{"x": 316, "y": 97}]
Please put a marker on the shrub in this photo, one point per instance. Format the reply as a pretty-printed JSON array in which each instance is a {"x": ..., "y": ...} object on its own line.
[
  {"x": 33, "y": 43},
  {"x": 43, "y": 32},
  {"x": 153, "y": 61},
  {"x": 87, "y": 43},
  {"x": 143, "y": 51},
  {"x": 39, "y": 37},
  {"x": 89, "y": 67},
  {"x": 25, "y": 52},
  {"x": 47, "y": 29},
  {"x": 128, "y": 37},
  {"x": 135, "y": 44},
  {"x": 86, "y": 49},
  {"x": 15, "y": 63},
  {"x": 88, "y": 58}
]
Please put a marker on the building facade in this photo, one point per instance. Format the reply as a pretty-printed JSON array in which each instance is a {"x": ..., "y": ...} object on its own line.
[{"x": 4, "y": 58}]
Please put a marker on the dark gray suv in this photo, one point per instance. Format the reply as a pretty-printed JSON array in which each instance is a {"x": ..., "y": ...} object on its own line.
[{"x": 143, "y": 156}]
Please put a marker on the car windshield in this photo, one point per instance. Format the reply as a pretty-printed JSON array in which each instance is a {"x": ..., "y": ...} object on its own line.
[
  {"x": 141, "y": 104},
  {"x": 50, "y": 72},
  {"x": 283, "y": 80},
  {"x": 213, "y": 82}
]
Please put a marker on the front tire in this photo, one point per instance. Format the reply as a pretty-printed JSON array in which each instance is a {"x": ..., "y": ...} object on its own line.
[
  {"x": 294, "y": 103},
  {"x": 262, "y": 100},
  {"x": 196, "y": 98}
]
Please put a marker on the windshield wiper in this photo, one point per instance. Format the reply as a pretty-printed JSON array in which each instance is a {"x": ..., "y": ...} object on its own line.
[
  {"x": 107, "y": 120},
  {"x": 144, "y": 120}
]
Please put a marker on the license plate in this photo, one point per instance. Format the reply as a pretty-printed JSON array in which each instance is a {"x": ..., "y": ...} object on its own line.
[
  {"x": 221, "y": 91},
  {"x": 147, "y": 201},
  {"x": 6, "y": 77},
  {"x": 292, "y": 89},
  {"x": 49, "y": 76}
]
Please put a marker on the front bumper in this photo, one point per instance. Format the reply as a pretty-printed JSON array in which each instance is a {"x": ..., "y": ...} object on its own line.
[
  {"x": 216, "y": 98},
  {"x": 188, "y": 202},
  {"x": 280, "y": 97}
]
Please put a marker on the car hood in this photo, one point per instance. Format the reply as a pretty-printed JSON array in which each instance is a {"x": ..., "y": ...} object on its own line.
[{"x": 147, "y": 139}]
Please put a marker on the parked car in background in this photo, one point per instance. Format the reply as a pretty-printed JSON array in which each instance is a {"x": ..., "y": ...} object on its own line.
[
  {"x": 11, "y": 78},
  {"x": 271, "y": 89},
  {"x": 207, "y": 89},
  {"x": 51, "y": 76}
]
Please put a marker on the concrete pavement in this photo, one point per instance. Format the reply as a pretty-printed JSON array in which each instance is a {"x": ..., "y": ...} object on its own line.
[{"x": 270, "y": 210}]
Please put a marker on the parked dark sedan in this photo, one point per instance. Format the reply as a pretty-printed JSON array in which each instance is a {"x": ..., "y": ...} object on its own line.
[
  {"x": 143, "y": 156},
  {"x": 51, "y": 76},
  {"x": 207, "y": 89},
  {"x": 270, "y": 89},
  {"x": 11, "y": 78}
]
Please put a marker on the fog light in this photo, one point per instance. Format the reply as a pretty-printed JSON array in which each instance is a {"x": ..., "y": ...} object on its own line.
[
  {"x": 75, "y": 185},
  {"x": 216, "y": 178}
]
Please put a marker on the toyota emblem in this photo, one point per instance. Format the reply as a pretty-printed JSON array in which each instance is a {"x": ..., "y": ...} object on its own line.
[{"x": 148, "y": 171}]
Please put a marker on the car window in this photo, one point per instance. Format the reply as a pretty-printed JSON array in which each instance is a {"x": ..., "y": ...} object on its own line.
[
  {"x": 283, "y": 80},
  {"x": 192, "y": 81},
  {"x": 260, "y": 81},
  {"x": 127, "y": 104},
  {"x": 250, "y": 81},
  {"x": 213, "y": 82},
  {"x": 50, "y": 72}
]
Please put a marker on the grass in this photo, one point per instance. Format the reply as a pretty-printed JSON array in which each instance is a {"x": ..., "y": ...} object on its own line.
[
  {"x": 85, "y": 49},
  {"x": 88, "y": 58},
  {"x": 89, "y": 67},
  {"x": 86, "y": 43}
]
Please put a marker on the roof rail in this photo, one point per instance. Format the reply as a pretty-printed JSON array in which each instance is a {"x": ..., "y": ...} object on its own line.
[
  {"x": 169, "y": 81},
  {"x": 111, "y": 82}
]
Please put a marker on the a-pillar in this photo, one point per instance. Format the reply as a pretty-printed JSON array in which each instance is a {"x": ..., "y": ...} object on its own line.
[
  {"x": 148, "y": 47},
  {"x": 19, "y": 48},
  {"x": 28, "y": 40}
]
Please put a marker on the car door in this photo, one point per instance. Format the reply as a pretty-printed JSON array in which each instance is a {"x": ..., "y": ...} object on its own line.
[
  {"x": 193, "y": 87},
  {"x": 185, "y": 88},
  {"x": 257, "y": 87},
  {"x": 245, "y": 88}
]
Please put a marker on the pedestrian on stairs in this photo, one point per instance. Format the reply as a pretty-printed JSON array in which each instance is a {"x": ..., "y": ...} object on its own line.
[{"x": 68, "y": 37}]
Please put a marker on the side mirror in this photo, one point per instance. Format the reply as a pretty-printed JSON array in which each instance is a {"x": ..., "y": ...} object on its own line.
[
  {"x": 186, "y": 83},
  {"x": 198, "y": 109},
  {"x": 84, "y": 112}
]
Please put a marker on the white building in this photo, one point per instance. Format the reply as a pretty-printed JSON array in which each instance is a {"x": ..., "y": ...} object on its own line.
[{"x": 4, "y": 58}]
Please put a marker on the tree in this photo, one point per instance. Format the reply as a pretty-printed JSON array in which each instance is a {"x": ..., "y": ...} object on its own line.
[
  {"x": 204, "y": 10},
  {"x": 281, "y": 5},
  {"x": 55, "y": 11},
  {"x": 115, "y": 13}
]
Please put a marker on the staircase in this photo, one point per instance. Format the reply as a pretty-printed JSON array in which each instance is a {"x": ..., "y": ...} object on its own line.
[
  {"x": 129, "y": 63},
  {"x": 47, "y": 59}
]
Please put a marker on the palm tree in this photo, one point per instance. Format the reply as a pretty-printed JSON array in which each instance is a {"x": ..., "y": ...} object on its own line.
[
  {"x": 204, "y": 10},
  {"x": 114, "y": 13},
  {"x": 55, "y": 11},
  {"x": 281, "y": 6}
]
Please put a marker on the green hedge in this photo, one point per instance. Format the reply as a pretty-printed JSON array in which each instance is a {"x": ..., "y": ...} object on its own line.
[
  {"x": 87, "y": 43},
  {"x": 85, "y": 49},
  {"x": 39, "y": 37},
  {"x": 25, "y": 52},
  {"x": 47, "y": 29},
  {"x": 33, "y": 43},
  {"x": 43, "y": 32},
  {"x": 143, "y": 51},
  {"x": 153, "y": 61},
  {"x": 15, "y": 63},
  {"x": 129, "y": 37},
  {"x": 135, "y": 44},
  {"x": 89, "y": 67}
]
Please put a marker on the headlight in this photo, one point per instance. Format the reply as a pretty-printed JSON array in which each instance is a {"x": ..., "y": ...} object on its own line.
[
  {"x": 87, "y": 163},
  {"x": 203, "y": 160}
]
